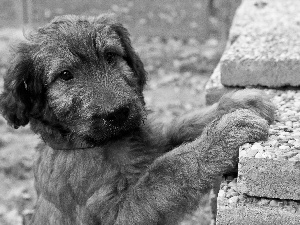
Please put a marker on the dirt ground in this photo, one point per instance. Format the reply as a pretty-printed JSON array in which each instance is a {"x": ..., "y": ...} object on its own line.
[{"x": 178, "y": 71}]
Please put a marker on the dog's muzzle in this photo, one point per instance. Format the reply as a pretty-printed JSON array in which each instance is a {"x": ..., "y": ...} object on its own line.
[{"x": 119, "y": 116}]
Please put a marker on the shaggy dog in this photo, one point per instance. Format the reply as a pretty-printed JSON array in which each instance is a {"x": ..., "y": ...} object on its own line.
[{"x": 78, "y": 83}]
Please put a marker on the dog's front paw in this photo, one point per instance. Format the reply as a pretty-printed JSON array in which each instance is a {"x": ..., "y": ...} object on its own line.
[
  {"x": 231, "y": 131},
  {"x": 252, "y": 99},
  {"x": 240, "y": 127}
]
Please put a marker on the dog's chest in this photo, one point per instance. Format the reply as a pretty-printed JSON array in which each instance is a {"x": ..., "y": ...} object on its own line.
[{"x": 68, "y": 178}]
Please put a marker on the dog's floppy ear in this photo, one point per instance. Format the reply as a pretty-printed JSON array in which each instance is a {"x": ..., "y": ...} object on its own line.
[
  {"x": 131, "y": 57},
  {"x": 15, "y": 101}
]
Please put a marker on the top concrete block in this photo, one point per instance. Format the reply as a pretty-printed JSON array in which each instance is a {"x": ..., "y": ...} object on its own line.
[{"x": 265, "y": 48}]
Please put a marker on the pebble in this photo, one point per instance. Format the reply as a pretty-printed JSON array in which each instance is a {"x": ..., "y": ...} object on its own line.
[
  {"x": 231, "y": 193},
  {"x": 291, "y": 142},
  {"x": 268, "y": 155},
  {"x": 297, "y": 145},
  {"x": 296, "y": 134},
  {"x": 284, "y": 147},
  {"x": 243, "y": 153},
  {"x": 264, "y": 202},
  {"x": 221, "y": 194},
  {"x": 233, "y": 200},
  {"x": 256, "y": 147},
  {"x": 273, "y": 203},
  {"x": 26, "y": 196},
  {"x": 247, "y": 145},
  {"x": 232, "y": 183},
  {"x": 295, "y": 124},
  {"x": 280, "y": 203},
  {"x": 289, "y": 123},
  {"x": 297, "y": 106},
  {"x": 252, "y": 152},
  {"x": 258, "y": 155},
  {"x": 283, "y": 138}
]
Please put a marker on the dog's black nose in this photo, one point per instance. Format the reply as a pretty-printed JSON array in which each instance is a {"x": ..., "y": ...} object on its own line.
[{"x": 119, "y": 116}]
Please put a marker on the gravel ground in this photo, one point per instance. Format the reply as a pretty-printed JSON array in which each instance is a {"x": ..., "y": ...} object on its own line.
[{"x": 284, "y": 134}]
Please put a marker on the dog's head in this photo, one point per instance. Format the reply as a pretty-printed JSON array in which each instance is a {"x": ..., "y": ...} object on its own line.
[{"x": 78, "y": 75}]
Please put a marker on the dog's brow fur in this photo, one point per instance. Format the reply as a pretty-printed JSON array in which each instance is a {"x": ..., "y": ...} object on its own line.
[{"x": 102, "y": 159}]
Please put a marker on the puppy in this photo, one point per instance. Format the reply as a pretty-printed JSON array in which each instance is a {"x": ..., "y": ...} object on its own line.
[{"x": 102, "y": 160}]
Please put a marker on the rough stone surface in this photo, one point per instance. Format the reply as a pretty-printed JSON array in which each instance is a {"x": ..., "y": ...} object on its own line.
[
  {"x": 265, "y": 48},
  {"x": 269, "y": 178},
  {"x": 237, "y": 209},
  {"x": 214, "y": 89}
]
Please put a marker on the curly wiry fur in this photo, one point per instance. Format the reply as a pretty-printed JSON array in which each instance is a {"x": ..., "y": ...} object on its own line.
[{"x": 78, "y": 83}]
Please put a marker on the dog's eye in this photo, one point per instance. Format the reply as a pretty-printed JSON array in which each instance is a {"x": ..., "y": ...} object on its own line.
[
  {"x": 110, "y": 57},
  {"x": 66, "y": 75}
]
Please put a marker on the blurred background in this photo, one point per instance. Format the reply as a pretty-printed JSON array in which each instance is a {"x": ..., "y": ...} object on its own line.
[{"x": 180, "y": 43}]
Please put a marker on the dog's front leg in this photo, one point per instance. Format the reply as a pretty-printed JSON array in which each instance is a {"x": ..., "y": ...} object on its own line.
[
  {"x": 175, "y": 182},
  {"x": 188, "y": 127}
]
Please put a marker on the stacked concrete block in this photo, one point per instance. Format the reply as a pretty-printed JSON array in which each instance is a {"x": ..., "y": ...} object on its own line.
[
  {"x": 267, "y": 189},
  {"x": 214, "y": 89},
  {"x": 264, "y": 47},
  {"x": 264, "y": 51}
]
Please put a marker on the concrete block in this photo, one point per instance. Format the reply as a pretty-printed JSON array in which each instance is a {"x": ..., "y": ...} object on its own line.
[
  {"x": 252, "y": 214},
  {"x": 269, "y": 178},
  {"x": 237, "y": 209},
  {"x": 214, "y": 89},
  {"x": 265, "y": 47},
  {"x": 255, "y": 215}
]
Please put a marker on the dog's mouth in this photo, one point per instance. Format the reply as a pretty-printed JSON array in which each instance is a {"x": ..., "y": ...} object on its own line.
[{"x": 111, "y": 126}]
